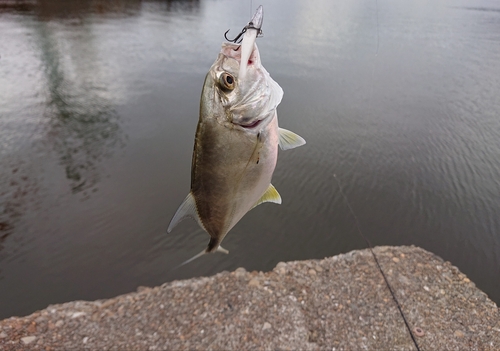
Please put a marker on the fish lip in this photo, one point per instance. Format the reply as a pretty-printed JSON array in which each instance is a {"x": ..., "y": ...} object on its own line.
[
  {"x": 257, "y": 19},
  {"x": 251, "y": 126}
]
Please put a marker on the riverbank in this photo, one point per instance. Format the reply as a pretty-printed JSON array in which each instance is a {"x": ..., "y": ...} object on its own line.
[{"x": 338, "y": 303}]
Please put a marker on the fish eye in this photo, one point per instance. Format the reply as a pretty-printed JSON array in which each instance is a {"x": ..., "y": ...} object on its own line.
[{"x": 227, "y": 81}]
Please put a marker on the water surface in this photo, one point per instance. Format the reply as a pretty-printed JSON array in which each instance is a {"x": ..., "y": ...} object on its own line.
[{"x": 99, "y": 104}]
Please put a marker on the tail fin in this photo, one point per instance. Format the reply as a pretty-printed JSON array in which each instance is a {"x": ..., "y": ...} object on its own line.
[
  {"x": 219, "y": 249},
  {"x": 192, "y": 258}
]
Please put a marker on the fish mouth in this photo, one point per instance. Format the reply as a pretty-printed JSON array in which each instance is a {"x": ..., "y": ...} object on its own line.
[
  {"x": 251, "y": 125},
  {"x": 233, "y": 51},
  {"x": 252, "y": 58},
  {"x": 243, "y": 48}
]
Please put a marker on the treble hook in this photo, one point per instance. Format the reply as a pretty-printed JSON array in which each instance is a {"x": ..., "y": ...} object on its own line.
[
  {"x": 235, "y": 40},
  {"x": 238, "y": 38}
]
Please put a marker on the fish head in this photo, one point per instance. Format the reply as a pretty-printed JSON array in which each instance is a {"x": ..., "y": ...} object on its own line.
[{"x": 249, "y": 102}]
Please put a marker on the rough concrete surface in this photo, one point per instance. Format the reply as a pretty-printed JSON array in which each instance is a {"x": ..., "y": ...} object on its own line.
[{"x": 338, "y": 303}]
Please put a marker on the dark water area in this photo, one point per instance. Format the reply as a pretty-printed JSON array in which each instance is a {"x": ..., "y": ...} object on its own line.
[{"x": 98, "y": 109}]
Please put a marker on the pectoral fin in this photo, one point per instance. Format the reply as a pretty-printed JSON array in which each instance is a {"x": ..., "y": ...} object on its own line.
[
  {"x": 271, "y": 195},
  {"x": 186, "y": 209},
  {"x": 289, "y": 140}
]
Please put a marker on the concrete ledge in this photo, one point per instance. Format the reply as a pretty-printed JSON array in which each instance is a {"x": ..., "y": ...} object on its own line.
[{"x": 338, "y": 303}]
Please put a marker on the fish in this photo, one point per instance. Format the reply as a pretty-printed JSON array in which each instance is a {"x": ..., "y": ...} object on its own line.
[{"x": 236, "y": 142}]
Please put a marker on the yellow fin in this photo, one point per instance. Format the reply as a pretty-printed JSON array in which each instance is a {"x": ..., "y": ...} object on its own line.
[{"x": 271, "y": 195}]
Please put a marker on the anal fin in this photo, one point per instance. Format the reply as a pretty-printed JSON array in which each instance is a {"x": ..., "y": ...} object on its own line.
[{"x": 271, "y": 195}]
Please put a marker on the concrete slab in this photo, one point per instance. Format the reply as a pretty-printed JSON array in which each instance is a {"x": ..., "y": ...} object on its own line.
[{"x": 338, "y": 303}]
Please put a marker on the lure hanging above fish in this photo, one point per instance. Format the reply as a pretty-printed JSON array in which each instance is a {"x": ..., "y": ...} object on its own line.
[{"x": 236, "y": 142}]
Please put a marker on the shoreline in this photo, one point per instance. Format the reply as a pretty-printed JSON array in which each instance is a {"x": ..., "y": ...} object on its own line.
[{"x": 337, "y": 303}]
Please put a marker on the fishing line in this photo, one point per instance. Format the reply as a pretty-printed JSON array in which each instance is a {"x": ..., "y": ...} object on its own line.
[
  {"x": 378, "y": 34},
  {"x": 356, "y": 220},
  {"x": 370, "y": 247}
]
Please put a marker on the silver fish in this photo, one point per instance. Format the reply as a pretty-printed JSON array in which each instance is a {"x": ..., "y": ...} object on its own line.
[{"x": 236, "y": 142}]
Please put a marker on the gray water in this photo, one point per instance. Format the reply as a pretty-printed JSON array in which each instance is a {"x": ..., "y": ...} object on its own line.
[{"x": 99, "y": 104}]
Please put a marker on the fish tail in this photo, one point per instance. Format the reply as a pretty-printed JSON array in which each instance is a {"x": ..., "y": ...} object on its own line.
[
  {"x": 192, "y": 258},
  {"x": 213, "y": 246}
]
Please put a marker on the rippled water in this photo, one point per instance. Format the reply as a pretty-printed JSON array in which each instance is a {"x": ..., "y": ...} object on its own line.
[{"x": 99, "y": 104}]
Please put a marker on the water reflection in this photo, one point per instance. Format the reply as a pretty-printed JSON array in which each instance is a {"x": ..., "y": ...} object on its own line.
[
  {"x": 69, "y": 108},
  {"x": 50, "y": 9},
  {"x": 485, "y": 9},
  {"x": 19, "y": 189},
  {"x": 60, "y": 9},
  {"x": 80, "y": 124},
  {"x": 84, "y": 127},
  {"x": 175, "y": 5},
  {"x": 17, "y": 6}
]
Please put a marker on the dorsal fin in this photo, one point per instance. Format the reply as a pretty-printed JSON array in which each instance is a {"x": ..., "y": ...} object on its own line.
[
  {"x": 289, "y": 140},
  {"x": 271, "y": 195},
  {"x": 186, "y": 209}
]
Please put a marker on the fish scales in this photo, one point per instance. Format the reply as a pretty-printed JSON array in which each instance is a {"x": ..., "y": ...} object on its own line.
[{"x": 231, "y": 171}]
